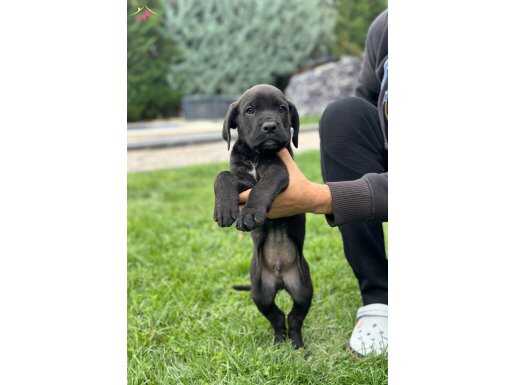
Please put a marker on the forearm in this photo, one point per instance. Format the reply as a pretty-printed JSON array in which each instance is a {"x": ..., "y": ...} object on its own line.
[
  {"x": 319, "y": 200},
  {"x": 311, "y": 197},
  {"x": 342, "y": 202},
  {"x": 268, "y": 188}
]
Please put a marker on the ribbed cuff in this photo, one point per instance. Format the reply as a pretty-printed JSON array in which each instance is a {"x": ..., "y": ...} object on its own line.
[{"x": 351, "y": 200}]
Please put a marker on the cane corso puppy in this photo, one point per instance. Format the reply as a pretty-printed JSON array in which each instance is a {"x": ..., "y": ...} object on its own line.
[{"x": 264, "y": 120}]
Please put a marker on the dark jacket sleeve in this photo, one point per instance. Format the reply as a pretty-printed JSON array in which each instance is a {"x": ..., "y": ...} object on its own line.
[
  {"x": 376, "y": 48},
  {"x": 366, "y": 198},
  {"x": 358, "y": 200}
]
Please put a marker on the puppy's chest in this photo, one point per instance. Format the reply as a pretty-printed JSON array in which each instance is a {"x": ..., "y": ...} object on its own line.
[
  {"x": 256, "y": 169},
  {"x": 252, "y": 169}
]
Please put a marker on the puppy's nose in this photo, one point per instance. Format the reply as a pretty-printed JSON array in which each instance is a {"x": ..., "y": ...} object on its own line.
[{"x": 269, "y": 127}]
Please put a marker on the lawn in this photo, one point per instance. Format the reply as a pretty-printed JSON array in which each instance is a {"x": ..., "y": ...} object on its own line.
[
  {"x": 185, "y": 323},
  {"x": 309, "y": 119}
]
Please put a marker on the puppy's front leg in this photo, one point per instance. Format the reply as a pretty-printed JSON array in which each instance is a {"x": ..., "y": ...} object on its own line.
[
  {"x": 226, "y": 199},
  {"x": 272, "y": 182}
]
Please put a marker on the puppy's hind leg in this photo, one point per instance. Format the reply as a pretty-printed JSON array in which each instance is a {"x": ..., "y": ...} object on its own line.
[
  {"x": 263, "y": 295},
  {"x": 296, "y": 319},
  {"x": 300, "y": 288}
]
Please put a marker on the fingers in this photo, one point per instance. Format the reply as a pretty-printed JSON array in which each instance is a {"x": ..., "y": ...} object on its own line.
[
  {"x": 288, "y": 161},
  {"x": 244, "y": 196},
  {"x": 285, "y": 156}
]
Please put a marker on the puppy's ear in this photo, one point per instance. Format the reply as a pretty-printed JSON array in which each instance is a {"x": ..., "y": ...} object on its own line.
[
  {"x": 230, "y": 122},
  {"x": 294, "y": 123}
]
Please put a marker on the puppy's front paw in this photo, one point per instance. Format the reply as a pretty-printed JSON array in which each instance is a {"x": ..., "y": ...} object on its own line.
[
  {"x": 250, "y": 218},
  {"x": 226, "y": 212}
]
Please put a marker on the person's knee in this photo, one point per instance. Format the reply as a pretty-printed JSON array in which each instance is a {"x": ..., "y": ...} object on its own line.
[{"x": 343, "y": 116}]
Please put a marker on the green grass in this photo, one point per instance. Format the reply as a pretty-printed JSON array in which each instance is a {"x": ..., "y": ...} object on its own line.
[
  {"x": 309, "y": 119},
  {"x": 185, "y": 324}
]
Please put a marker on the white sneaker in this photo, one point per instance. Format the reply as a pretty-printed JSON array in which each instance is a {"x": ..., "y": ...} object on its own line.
[{"x": 370, "y": 335}]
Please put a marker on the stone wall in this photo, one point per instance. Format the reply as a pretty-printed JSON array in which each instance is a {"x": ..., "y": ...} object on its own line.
[{"x": 311, "y": 91}]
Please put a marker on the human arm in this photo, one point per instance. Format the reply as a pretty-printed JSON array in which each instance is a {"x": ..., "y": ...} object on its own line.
[
  {"x": 357, "y": 200},
  {"x": 342, "y": 202},
  {"x": 301, "y": 195}
]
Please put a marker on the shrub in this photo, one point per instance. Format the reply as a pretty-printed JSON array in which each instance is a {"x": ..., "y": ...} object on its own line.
[
  {"x": 150, "y": 51},
  {"x": 229, "y": 45},
  {"x": 354, "y": 18}
]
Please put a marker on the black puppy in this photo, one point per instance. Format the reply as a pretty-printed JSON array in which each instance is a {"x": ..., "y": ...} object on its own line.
[{"x": 264, "y": 119}]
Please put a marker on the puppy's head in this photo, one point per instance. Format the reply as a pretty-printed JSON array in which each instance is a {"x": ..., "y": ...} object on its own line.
[{"x": 263, "y": 118}]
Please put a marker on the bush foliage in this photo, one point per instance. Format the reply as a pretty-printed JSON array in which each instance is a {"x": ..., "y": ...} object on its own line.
[
  {"x": 225, "y": 46},
  {"x": 230, "y": 45},
  {"x": 150, "y": 50},
  {"x": 354, "y": 18}
]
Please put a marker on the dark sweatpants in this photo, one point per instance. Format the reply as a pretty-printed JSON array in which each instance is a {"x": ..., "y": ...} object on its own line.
[{"x": 351, "y": 145}]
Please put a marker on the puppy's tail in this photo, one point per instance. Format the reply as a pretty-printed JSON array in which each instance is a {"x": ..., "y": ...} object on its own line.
[{"x": 241, "y": 287}]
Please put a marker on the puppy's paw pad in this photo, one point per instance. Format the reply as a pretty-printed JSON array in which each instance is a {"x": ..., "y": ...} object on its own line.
[
  {"x": 225, "y": 214},
  {"x": 249, "y": 219},
  {"x": 240, "y": 224}
]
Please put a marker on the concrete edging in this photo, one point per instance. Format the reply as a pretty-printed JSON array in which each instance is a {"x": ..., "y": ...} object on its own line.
[{"x": 193, "y": 139}]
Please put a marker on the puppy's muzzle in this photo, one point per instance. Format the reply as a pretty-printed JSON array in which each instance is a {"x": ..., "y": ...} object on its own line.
[{"x": 269, "y": 127}]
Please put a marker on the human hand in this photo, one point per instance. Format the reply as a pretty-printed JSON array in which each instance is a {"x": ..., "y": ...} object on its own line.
[{"x": 301, "y": 195}]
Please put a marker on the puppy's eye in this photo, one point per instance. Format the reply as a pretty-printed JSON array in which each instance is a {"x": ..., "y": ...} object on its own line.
[
  {"x": 283, "y": 108},
  {"x": 250, "y": 110}
]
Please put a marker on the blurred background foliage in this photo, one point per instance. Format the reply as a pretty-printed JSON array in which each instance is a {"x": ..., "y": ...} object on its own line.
[
  {"x": 224, "y": 46},
  {"x": 230, "y": 45},
  {"x": 352, "y": 22},
  {"x": 150, "y": 52}
]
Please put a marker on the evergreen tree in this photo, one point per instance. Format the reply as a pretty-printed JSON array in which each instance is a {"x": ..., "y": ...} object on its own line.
[
  {"x": 150, "y": 50},
  {"x": 230, "y": 45}
]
